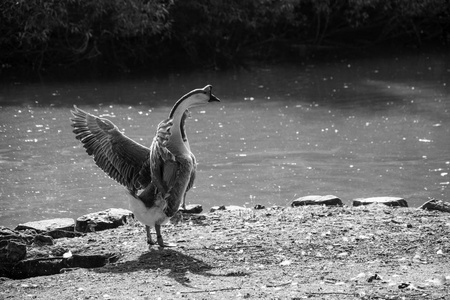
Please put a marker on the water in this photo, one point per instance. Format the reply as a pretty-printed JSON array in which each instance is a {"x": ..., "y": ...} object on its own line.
[{"x": 352, "y": 128}]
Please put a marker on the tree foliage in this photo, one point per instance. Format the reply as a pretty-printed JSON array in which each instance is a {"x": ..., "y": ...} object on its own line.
[
  {"x": 67, "y": 32},
  {"x": 42, "y": 33}
]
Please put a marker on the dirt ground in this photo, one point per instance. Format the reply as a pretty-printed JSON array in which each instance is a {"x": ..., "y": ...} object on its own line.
[{"x": 374, "y": 252}]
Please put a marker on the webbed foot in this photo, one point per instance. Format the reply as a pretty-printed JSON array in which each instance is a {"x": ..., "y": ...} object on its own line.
[
  {"x": 159, "y": 238},
  {"x": 162, "y": 244},
  {"x": 160, "y": 241}
]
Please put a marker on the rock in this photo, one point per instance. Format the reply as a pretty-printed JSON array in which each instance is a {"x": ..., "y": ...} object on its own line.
[
  {"x": 54, "y": 265},
  {"x": 389, "y": 201},
  {"x": 7, "y": 234},
  {"x": 58, "y": 251},
  {"x": 48, "y": 225},
  {"x": 435, "y": 204},
  {"x": 92, "y": 261},
  {"x": 11, "y": 252},
  {"x": 41, "y": 240},
  {"x": 102, "y": 220},
  {"x": 6, "y": 231},
  {"x": 317, "y": 200},
  {"x": 195, "y": 218},
  {"x": 229, "y": 208},
  {"x": 259, "y": 206},
  {"x": 192, "y": 209},
  {"x": 57, "y": 234}
]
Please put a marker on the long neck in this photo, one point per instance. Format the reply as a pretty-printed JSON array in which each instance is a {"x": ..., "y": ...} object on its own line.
[{"x": 178, "y": 143}]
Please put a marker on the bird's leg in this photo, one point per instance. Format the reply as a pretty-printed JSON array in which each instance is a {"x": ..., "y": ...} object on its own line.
[
  {"x": 150, "y": 242},
  {"x": 159, "y": 238},
  {"x": 183, "y": 204}
]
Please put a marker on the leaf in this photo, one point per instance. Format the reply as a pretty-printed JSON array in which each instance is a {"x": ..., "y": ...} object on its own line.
[
  {"x": 68, "y": 254},
  {"x": 360, "y": 275},
  {"x": 286, "y": 263}
]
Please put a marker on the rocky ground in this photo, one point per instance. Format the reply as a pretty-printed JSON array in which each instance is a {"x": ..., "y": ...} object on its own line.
[{"x": 310, "y": 252}]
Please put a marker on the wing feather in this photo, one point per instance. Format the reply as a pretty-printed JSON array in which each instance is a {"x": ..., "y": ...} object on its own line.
[
  {"x": 123, "y": 159},
  {"x": 159, "y": 155},
  {"x": 193, "y": 173}
]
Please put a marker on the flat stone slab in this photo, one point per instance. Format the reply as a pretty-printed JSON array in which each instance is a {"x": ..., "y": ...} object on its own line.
[
  {"x": 228, "y": 207},
  {"x": 54, "y": 265},
  {"x": 435, "y": 204},
  {"x": 192, "y": 209},
  {"x": 102, "y": 220},
  {"x": 57, "y": 234},
  {"x": 389, "y": 201},
  {"x": 328, "y": 200},
  {"x": 67, "y": 224}
]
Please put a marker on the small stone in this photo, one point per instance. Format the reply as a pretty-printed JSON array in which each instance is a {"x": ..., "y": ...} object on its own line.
[
  {"x": 192, "y": 209},
  {"x": 286, "y": 263},
  {"x": 389, "y": 201},
  {"x": 194, "y": 217},
  {"x": 229, "y": 208},
  {"x": 58, "y": 251},
  {"x": 328, "y": 200}
]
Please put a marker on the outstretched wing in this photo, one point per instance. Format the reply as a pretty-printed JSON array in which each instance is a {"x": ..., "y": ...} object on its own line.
[{"x": 123, "y": 159}]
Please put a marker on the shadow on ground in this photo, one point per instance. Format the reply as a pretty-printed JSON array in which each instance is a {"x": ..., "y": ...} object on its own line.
[{"x": 165, "y": 262}]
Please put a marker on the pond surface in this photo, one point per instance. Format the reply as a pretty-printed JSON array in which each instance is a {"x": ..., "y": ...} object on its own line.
[{"x": 352, "y": 128}]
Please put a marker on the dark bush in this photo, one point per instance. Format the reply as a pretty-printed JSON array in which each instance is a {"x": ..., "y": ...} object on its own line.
[
  {"x": 128, "y": 33},
  {"x": 46, "y": 32}
]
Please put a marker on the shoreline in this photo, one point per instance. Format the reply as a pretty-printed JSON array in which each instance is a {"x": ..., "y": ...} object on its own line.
[
  {"x": 326, "y": 200},
  {"x": 314, "y": 252}
]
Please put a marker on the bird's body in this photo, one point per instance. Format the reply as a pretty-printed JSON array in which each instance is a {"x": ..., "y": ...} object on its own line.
[{"x": 157, "y": 178}]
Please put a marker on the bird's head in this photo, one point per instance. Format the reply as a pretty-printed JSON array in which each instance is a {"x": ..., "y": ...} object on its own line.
[{"x": 192, "y": 99}]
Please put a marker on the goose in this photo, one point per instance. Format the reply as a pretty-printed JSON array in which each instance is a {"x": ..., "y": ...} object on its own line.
[{"x": 156, "y": 178}]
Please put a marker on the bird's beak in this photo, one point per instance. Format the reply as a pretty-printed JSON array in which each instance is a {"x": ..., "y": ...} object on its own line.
[{"x": 213, "y": 98}]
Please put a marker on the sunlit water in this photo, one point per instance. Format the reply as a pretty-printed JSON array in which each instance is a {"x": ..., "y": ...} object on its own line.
[{"x": 352, "y": 128}]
